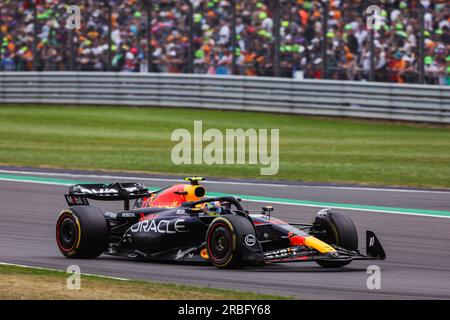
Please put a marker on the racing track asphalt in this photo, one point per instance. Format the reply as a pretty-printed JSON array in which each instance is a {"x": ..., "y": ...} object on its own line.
[{"x": 418, "y": 247}]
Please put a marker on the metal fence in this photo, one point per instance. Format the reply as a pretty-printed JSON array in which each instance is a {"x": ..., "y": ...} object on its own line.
[
  {"x": 309, "y": 97},
  {"x": 325, "y": 69}
]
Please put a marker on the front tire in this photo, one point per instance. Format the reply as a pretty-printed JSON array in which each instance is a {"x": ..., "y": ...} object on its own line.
[
  {"x": 338, "y": 229},
  {"x": 82, "y": 232},
  {"x": 225, "y": 241}
]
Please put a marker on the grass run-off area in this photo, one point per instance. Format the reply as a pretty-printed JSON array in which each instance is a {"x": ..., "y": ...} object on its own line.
[
  {"x": 18, "y": 282},
  {"x": 311, "y": 149}
]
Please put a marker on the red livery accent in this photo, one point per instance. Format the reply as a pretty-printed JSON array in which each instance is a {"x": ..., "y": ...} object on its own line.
[
  {"x": 296, "y": 240},
  {"x": 148, "y": 217}
]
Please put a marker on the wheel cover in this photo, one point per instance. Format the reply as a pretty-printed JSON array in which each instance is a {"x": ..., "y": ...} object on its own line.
[
  {"x": 67, "y": 234},
  {"x": 220, "y": 243}
]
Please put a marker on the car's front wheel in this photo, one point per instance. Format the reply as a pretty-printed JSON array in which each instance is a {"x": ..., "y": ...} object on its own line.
[
  {"x": 228, "y": 240},
  {"x": 338, "y": 229}
]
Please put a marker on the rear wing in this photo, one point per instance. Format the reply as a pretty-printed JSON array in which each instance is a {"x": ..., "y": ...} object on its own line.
[{"x": 118, "y": 191}]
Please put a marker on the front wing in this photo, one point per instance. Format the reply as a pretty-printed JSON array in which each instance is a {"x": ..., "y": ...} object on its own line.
[{"x": 374, "y": 251}]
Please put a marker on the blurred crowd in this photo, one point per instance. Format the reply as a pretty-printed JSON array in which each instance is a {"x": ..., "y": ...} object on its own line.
[{"x": 396, "y": 43}]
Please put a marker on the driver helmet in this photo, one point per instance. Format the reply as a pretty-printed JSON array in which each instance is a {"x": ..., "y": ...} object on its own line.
[{"x": 212, "y": 208}]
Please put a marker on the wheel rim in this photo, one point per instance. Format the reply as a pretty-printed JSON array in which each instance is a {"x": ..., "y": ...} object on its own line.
[
  {"x": 220, "y": 243},
  {"x": 66, "y": 233}
]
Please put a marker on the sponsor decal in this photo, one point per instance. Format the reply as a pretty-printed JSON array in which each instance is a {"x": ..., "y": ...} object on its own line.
[
  {"x": 372, "y": 242},
  {"x": 128, "y": 214},
  {"x": 106, "y": 190},
  {"x": 77, "y": 200},
  {"x": 282, "y": 253},
  {"x": 250, "y": 240},
  {"x": 161, "y": 226},
  {"x": 180, "y": 212}
]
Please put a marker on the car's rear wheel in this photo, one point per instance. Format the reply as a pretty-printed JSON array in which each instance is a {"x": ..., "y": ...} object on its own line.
[
  {"x": 225, "y": 240},
  {"x": 337, "y": 229},
  {"x": 81, "y": 232}
]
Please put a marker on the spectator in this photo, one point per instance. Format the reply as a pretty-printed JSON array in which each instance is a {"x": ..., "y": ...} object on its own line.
[{"x": 348, "y": 50}]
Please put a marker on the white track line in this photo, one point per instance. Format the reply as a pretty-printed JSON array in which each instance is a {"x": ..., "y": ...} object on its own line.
[
  {"x": 348, "y": 208},
  {"x": 57, "y": 270},
  {"x": 268, "y": 201},
  {"x": 37, "y": 182},
  {"x": 97, "y": 176}
]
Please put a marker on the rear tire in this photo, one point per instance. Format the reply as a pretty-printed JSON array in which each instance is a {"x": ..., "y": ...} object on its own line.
[
  {"x": 82, "y": 232},
  {"x": 225, "y": 240},
  {"x": 340, "y": 231}
]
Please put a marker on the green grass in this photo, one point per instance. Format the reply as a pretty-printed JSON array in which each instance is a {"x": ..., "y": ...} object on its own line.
[
  {"x": 18, "y": 282},
  {"x": 311, "y": 149}
]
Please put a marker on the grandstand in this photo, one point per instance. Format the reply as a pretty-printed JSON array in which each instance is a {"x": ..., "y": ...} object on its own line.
[{"x": 290, "y": 38}]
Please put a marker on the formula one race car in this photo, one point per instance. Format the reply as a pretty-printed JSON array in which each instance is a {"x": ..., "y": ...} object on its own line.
[{"x": 179, "y": 223}]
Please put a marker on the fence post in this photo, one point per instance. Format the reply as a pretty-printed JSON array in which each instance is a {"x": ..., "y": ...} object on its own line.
[
  {"x": 325, "y": 40},
  {"x": 1, "y": 45},
  {"x": 372, "y": 55},
  {"x": 276, "y": 33},
  {"x": 106, "y": 2},
  {"x": 233, "y": 36},
  {"x": 72, "y": 51},
  {"x": 191, "y": 36},
  {"x": 148, "y": 34},
  {"x": 35, "y": 37},
  {"x": 421, "y": 42}
]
